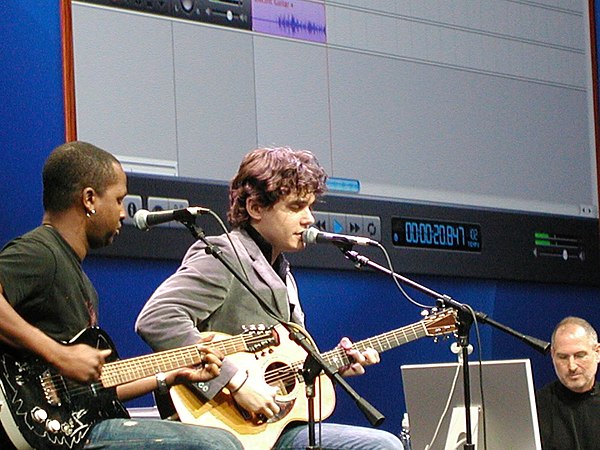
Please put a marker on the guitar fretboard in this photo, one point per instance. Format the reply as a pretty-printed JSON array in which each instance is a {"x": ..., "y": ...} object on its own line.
[
  {"x": 125, "y": 371},
  {"x": 385, "y": 341},
  {"x": 439, "y": 324}
]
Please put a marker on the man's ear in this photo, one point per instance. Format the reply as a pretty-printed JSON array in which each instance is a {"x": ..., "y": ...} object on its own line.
[
  {"x": 254, "y": 209},
  {"x": 88, "y": 198}
]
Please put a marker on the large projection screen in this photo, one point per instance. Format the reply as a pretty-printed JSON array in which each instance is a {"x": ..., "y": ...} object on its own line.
[{"x": 472, "y": 102}]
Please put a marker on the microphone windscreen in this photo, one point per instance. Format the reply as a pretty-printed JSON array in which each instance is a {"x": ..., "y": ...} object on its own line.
[
  {"x": 309, "y": 236},
  {"x": 139, "y": 219}
]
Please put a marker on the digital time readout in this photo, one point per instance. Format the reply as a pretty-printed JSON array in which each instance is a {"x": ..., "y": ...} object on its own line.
[{"x": 436, "y": 234}]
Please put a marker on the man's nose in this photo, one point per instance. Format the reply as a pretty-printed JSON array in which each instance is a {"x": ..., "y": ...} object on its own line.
[{"x": 309, "y": 217}]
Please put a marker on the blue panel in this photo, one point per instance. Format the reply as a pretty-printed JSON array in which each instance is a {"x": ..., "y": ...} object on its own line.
[{"x": 32, "y": 108}]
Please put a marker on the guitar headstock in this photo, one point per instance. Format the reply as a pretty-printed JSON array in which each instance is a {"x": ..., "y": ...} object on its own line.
[
  {"x": 259, "y": 337},
  {"x": 440, "y": 323}
]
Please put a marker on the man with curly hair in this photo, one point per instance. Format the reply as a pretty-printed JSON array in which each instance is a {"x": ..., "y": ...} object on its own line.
[{"x": 271, "y": 197}]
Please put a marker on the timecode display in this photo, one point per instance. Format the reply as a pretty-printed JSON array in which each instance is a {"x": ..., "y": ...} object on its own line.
[{"x": 434, "y": 234}]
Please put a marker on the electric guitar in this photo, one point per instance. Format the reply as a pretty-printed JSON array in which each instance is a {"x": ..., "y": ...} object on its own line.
[
  {"x": 40, "y": 409},
  {"x": 281, "y": 366}
]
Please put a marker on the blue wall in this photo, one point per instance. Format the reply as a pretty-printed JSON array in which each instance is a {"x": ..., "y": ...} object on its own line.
[{"x": 353, "y": 303}]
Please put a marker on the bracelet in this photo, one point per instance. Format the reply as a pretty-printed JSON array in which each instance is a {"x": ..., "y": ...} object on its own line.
[
  {"x": 241, "y": 384},
  {"x": 161, "y": 383}
]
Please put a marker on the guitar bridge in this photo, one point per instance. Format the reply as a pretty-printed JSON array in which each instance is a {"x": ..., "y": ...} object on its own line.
[{"x": 49, "y": 387}]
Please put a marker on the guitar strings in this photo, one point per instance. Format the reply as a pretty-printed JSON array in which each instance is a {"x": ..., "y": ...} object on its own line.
[
  {"x": 287, "y": 374},
  {"x": 120, "y": 371}
]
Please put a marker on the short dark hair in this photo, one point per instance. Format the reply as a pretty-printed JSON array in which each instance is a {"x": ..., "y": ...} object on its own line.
[
  {"x": 269, "y": 174},
  {"x": 70, "y": 168}
]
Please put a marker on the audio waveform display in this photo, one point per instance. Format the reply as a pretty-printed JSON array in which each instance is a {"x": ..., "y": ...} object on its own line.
[{"x": 296, "y": 19}]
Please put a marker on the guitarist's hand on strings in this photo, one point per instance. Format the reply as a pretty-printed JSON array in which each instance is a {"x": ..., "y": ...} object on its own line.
[
  {"x": 212, "y": 360},
  {"x": 79, "y": 362},
  {"x": 361, "y": 359},
  {"x": 254, "y": 395}
]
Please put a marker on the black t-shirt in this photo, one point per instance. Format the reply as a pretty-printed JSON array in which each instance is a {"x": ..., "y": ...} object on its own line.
[
  {"x": 568, "y": 420},
  {"x": 44, "y": 282}
]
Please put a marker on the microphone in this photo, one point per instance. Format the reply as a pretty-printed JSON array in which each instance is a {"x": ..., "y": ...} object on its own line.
[
  {"x": 144, "y": 219},
  {"x": 314, "y": 236}
]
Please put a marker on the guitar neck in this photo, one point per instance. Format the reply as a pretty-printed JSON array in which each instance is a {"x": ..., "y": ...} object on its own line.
[
  {"x": 127, "y": 370},
  {"x": 383, "y": 342}
]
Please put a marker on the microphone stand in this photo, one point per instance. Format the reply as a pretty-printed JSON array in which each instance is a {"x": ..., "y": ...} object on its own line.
[
  {"x": 314, "y": 363},
  {"x": 465, "y": 320}
]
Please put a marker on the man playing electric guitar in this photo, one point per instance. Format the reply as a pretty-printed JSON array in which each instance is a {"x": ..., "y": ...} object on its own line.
[
  {"x": 46, "y": 298},
  {"x": 271, "y": 198}
]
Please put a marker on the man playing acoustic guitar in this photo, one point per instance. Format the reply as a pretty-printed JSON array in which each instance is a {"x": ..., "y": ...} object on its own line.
[
  {"x": 271, "y": 198},
  {"x": 52, "y": 395}
]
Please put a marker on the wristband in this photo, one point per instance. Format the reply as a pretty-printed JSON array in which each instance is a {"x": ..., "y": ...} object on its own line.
[
  {"x": 241, "y": 384},
  {"x": 161, "y": 383}
]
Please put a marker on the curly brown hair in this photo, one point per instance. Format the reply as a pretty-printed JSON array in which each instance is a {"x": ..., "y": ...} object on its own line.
[{"x": 269, "y": 174}]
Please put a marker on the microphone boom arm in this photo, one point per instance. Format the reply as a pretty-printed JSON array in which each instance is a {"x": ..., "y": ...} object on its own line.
[{"x": 360, "y": 260}]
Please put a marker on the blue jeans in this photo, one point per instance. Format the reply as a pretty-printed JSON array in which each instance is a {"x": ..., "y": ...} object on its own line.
[
  {"x": 134, "y": 434},
  {"x": 338, "y": 437}
]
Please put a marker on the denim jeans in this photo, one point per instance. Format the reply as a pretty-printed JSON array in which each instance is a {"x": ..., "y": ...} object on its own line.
[
  {"x": 147, "y": 434},
  {"x": 338, "y": 437}
]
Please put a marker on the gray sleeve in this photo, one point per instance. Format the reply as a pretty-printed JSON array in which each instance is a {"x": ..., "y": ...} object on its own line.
[{"x": 170, "y": 318}]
